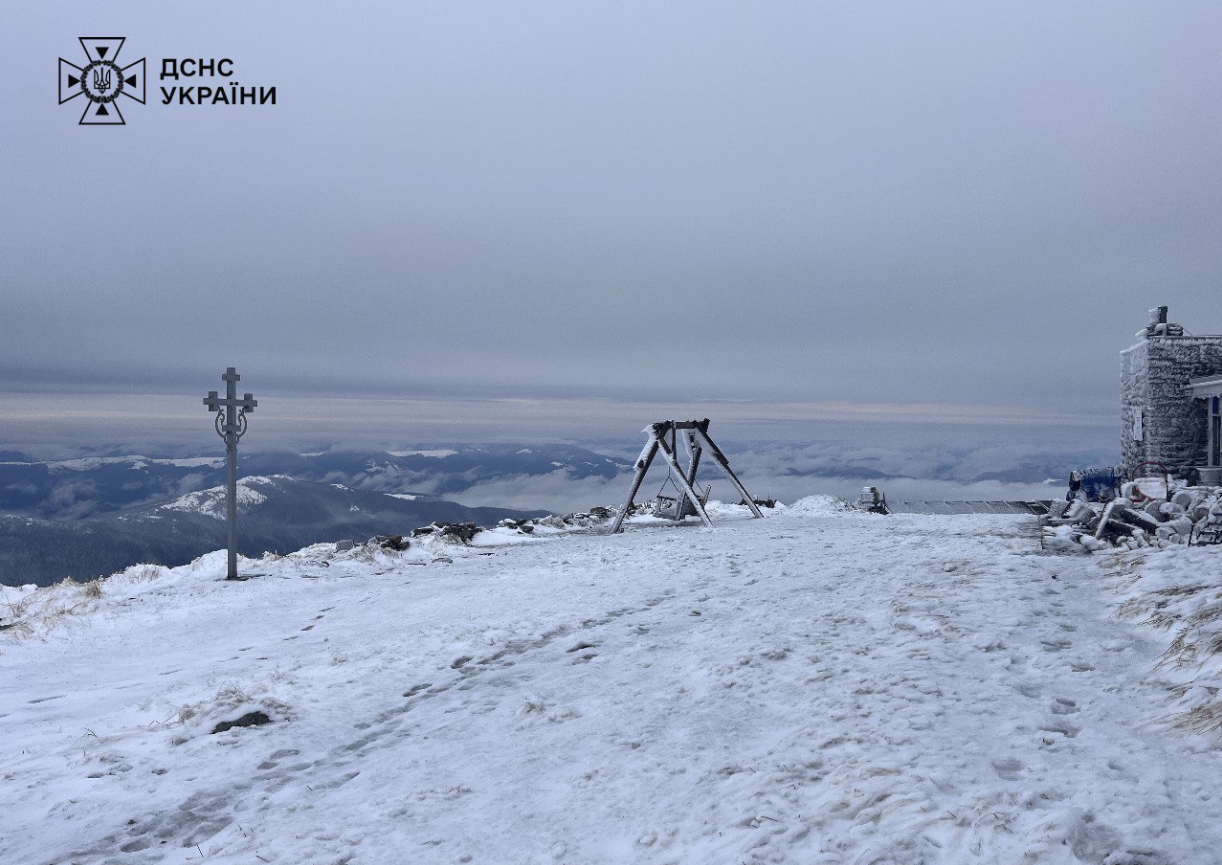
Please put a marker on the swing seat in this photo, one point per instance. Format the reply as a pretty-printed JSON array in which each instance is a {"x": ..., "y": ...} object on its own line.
[{"x": 667, "y": 507}]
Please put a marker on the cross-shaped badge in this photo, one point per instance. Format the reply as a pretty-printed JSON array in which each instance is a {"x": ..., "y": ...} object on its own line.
[{"x": 101, "y": 80}]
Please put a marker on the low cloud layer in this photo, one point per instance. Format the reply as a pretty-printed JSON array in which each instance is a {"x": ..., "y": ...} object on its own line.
[{"x": 791, "y": 471}]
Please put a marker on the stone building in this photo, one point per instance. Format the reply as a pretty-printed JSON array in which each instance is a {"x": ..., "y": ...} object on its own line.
[{"x": 1171, "y": 384}]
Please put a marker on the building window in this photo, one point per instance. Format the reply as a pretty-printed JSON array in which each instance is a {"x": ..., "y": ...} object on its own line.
[{"x": 1215, "y": 434}]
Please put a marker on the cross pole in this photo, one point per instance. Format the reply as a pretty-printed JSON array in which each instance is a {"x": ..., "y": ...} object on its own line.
[{"x": 231, "y": 426}]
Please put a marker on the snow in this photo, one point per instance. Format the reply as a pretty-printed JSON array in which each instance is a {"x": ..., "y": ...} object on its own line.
[
  {"x": 85, "y": 464},
  {"x": 193, "y": 462},
  {"x": 407, "y": 497},
  {"x": 13, "y": 594},
  {"x": 820, "y": 686},
  {"x": 211, "y": 502},
  {"x": 435, "y": 454}
]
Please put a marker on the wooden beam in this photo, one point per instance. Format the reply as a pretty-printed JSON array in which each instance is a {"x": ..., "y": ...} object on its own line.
[
  {"x": 687, "y": 488},
  {"x": 642, "y": 467}
]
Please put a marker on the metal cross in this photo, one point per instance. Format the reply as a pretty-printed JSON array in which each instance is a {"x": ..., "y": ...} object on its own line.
[{"x": 231, "y": 426}]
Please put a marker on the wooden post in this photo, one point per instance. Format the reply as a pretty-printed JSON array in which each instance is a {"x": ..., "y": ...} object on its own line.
[{"x": 642, "y": 466}]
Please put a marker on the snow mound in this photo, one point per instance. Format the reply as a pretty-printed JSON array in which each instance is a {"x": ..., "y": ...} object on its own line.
[
  {"x": 818, "y": 506},
  {"x": 1178, "y": 594}
]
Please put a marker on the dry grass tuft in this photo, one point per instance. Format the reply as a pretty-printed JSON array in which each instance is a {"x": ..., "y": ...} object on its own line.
[
  {"x": 18, "y": 630},
  {"x": 1202, "y": 720},
  {"x": 143, "y": 573},
  {"x": 1177, "y": 591},
  {"x": 49, "y": 607},
  {"x": 1132, "y": 608},
  {"x": 1182, "y": 652},
  {"x": 1162, "y": 620},
  {"x": 1206, "y": 615},
  {"x": 19, "y": 609}
]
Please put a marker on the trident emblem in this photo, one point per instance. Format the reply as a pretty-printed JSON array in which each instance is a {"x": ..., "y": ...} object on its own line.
[{"x": 101, "y": 80}]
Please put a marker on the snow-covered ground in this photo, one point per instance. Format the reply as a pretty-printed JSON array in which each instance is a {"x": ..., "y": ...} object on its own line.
[{"x": 816, "y": 687}]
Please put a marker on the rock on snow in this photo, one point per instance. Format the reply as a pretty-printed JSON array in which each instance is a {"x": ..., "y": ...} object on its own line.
[{"x": 819, "y": 686}]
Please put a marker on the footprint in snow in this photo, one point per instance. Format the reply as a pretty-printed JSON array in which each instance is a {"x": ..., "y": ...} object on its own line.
[
  {"x": 274, "y": 760},
  {"x": 1008, "y": 769},
  {"x": 1064, "y": 706},
  {"x": 1065, "y": 728}
]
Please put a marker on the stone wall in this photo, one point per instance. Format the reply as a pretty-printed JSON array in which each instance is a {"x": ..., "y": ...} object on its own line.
[{"x": 1159, "y": 421}]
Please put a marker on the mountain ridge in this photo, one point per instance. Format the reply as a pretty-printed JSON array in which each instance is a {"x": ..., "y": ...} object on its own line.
[{"x": 277, "y": 514}]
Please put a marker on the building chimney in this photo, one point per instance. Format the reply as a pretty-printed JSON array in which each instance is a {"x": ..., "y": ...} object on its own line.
[{"x": 1159, "y": 326}]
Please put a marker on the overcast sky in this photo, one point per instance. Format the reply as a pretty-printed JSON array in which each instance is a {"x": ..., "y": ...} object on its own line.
[{"x": 955, "y": 203}]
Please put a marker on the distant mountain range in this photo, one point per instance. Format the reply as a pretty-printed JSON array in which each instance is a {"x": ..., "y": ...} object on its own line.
[
  {"x": 89, "y": 486},
  {"x": 278, "y": 514},
  {"x": 99, "y": 513},
  {"x": 94, "y": 515}
]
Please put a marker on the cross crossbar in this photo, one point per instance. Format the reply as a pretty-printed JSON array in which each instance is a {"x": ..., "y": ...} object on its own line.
[
  {"x": 215, "y": 403},
  {"x": 668, "y": 425}
]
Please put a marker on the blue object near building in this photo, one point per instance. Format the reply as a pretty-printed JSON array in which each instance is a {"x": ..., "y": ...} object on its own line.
[{"x": 1095, "y": 484}]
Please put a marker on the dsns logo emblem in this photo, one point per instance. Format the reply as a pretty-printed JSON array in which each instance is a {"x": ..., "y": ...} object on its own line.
[{"x": 101, "y": 80}]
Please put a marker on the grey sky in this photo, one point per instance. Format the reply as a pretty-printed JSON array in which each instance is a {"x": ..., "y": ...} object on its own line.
[{"x": 956, "y": 202}]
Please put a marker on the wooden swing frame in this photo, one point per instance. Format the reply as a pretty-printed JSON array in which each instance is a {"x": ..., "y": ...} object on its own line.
[{"x": 664, "y": 436}]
